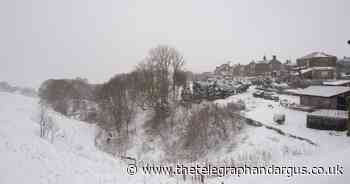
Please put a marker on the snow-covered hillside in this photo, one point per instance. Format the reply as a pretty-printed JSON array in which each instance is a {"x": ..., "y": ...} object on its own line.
[{"x": 73, "y": 158}]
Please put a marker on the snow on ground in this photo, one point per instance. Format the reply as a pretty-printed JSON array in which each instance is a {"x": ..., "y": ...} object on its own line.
[
  {"x": 263, "y": 110},
  {"x": 71, "y": 158},
  {"x": 333, "y": 147}
]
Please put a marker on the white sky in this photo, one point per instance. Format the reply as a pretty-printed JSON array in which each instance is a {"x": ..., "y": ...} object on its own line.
[{"x": 41, "y": 39}]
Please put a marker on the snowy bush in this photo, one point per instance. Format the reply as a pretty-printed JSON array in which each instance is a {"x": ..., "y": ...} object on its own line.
[
  {"x": 209, "y": 127},
  {"x": 217, "y": 89},
  {"x": 279, "y": 118}
]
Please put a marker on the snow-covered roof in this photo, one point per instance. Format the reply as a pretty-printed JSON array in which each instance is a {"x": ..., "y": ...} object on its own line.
[
  {"x": 323, "y": 68},
  {"x": 316, "y": 55},
  {"x": 345, "y": 59},
  {"x": 323, "y": 91},
  {"x": 306, "y": 70},
  {"x": 280, "y": 84},
  {"x": 316, "y": 68},
  {"x": 344, "y": 74},
  {"x": 336, "y": 82},
  {"x": 264, "y": 62},
  {"x": 339, "y": 114}
]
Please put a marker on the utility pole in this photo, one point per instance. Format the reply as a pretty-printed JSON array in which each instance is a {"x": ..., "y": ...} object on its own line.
[{"x": 348, "y": 110}]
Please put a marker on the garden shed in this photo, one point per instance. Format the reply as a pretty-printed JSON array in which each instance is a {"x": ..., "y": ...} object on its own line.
[
  {"x": 327, "y": 119},
  {"x": 324, "y": 97}
]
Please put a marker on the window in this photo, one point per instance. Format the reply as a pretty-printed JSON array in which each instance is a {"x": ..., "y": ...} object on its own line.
[{"x": 324, "y": 74}]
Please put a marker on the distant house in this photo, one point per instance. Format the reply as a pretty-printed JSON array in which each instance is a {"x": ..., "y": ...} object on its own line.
[
  {"x": 265, "y": 67},
  {"x": 324, "y": 97},
  {"x": 275, "y": 66},
  {"x": 243, "y": 70},
  {"x": 343, "y": 68},
  {"x": 345, "y": 61},
  {"x": 288, "y": 65},
  {"x": 317, "y": 65},
  {"x": 250, "y": 68},
  {"x": 239, "y": 70},
  {"x": 224, "y": 69},
  {"x": 262, "y": 67},
  {"x": 319, "y": 73}
]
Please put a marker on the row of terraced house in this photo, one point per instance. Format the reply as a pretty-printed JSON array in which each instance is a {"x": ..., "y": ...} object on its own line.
[{"x": 317, "y": 65}]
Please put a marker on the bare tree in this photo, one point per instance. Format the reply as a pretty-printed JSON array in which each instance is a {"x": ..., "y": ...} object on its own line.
[
  {"x": 115, "y": 99},
  {"x": 159, "y": 73},
  {"x": 179, "y": 77},
  {"x": 348, "y": 108}
]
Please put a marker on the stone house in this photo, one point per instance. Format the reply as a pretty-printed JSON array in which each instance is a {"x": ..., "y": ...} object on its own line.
[{"x": 317, "y": 66}]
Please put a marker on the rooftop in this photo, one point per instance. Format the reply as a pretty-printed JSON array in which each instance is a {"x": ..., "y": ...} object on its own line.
[
  {"x": 336, "y": 82},
  {"x": 323, "y": 91},
  {"x": 330, "y": 113},
  {"x": 316, "y": 55},
  {"x": 320, "y": 68},
  {"x": 263, "y": 61}
]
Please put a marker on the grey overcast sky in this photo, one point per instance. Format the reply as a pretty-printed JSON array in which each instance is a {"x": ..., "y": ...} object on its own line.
[{"x": 95, "y": 39}]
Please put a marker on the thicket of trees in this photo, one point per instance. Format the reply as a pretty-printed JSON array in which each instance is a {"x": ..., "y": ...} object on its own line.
[
  {"x": 153, "y": 86},
  {"x": 200, "y": 128},
  {"x": 71, "y": 97},
  {"x": 116, "y": 100},
  {"x": 211, "y": 126},
  {"x": 160, "y": 74}
]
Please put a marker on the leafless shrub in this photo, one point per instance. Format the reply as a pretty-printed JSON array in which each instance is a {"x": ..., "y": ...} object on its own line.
[
  {"x": 48, "y": 128},
  {"x": 209, "y": 127},
  {"x": 113, "y": 142}
]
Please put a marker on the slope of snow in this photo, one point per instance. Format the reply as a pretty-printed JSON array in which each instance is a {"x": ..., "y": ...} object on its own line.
[{"x": 71, "y": 158}]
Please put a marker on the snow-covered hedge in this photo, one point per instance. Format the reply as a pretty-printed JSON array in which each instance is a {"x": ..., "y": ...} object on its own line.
[{"x": 215, "y": 89}]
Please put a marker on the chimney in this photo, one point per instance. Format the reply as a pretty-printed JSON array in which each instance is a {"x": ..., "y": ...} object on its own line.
[{"x": 274, "y": 57}]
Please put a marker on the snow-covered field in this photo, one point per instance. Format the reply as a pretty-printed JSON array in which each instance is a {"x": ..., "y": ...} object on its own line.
[{"x": 73, "y": 157}]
